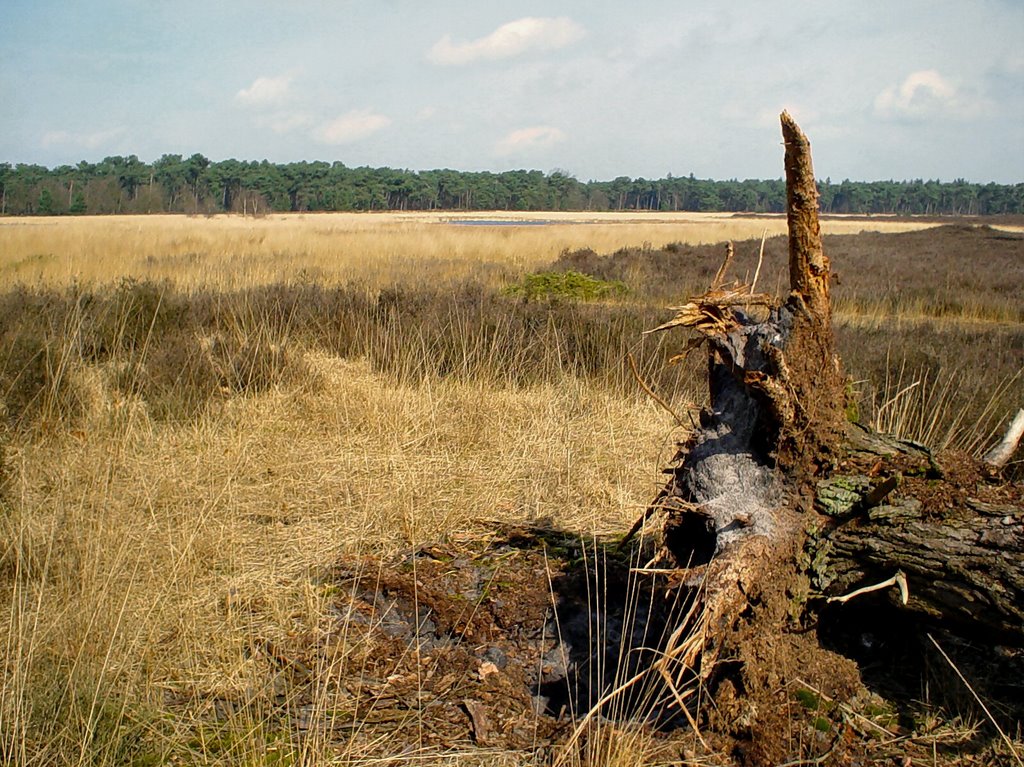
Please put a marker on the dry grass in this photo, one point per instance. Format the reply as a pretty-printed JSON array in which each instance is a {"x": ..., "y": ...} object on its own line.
[
  {"x": 229, "y": 252},
  {"x": 196, "y": 459},
  {"x": 948, "y": 273},
  {"x": 143, "y": 561}
]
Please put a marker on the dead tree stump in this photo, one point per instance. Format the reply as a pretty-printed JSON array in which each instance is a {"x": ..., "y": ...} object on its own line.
[
  {"x": 731, "y": 514},
  {"x": 776, "y": 503}
]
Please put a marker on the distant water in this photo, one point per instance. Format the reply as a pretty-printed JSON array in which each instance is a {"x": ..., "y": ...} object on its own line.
[{"x": 499, "y": 222}]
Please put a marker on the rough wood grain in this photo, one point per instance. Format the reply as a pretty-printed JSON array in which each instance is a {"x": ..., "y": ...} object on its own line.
[
  {"x": 963, "y": 556},
  {"x": 808, "y": 266}
]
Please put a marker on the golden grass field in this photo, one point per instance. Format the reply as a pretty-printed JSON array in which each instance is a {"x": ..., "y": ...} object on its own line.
[
  {"x": 149, "y": 559},
  {"x": 143, "y": 556},
  {"x": 230, "y": 251},
  {"x": 143, "y": 559}
]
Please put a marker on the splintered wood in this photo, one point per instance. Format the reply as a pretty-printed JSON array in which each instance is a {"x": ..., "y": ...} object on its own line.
[{"x": 712, "y": 313}]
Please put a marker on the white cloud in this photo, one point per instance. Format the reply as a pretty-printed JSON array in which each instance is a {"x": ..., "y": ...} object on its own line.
[
  {"x": 925, "y": 94},
  {"x": 525, "y": 139},
  {"x": 265, "y": 91},
  {"x": 427, "y": 113},
  {"x": 352, "y": 126},
  {"x": 84, "y": 140},
  {"x": 509, "y": 40}
]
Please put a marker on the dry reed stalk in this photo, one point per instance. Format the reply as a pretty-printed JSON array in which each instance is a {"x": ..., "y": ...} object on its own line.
[{"x": 1002, "y": 734}]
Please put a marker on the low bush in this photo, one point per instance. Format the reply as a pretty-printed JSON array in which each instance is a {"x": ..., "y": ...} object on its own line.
[{"x": 570, "y": 285}]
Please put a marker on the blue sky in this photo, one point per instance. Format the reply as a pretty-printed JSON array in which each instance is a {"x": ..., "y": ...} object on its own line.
[{"x": 895, "y": 89}]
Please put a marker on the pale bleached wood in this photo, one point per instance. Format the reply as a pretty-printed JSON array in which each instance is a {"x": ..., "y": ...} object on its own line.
[{"x": 1000, "y": 454}]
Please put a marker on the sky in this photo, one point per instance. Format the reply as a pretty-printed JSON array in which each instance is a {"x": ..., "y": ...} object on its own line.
[{"x": 885, "y": 89}]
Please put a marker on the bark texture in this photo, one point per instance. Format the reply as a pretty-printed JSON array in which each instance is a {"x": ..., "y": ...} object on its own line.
[{"x": 957, "y": 535}]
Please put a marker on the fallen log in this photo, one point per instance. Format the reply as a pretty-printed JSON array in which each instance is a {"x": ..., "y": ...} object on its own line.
[{"x": 955, "y": 534}]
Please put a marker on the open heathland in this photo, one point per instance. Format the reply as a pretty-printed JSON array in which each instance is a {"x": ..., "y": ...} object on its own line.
[
  {"x": 380, "y": 249},
  {"x": 224, "y": 439}
]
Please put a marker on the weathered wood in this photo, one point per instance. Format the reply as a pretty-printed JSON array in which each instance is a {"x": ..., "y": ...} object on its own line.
[
  {"x": 965, "y": 570},
  {"x": 808, "y": 266},
  {"x": 1000, "y": 454},
  {"x": 963, "y": 556},
  {"x": 776, "y": 491},
  {"x": 730, "y": 518},
  {"x": 813, "y": 374}
]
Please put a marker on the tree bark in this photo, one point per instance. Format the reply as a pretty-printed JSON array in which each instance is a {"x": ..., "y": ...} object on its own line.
[{"x": 957, "y": 536}]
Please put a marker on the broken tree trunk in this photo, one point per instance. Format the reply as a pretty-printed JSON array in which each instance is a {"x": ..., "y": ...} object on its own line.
[
  {"x": 744, "y": 521},
  {"x": 732, "y": 510},
  {"x": 1000, "y": 454}
]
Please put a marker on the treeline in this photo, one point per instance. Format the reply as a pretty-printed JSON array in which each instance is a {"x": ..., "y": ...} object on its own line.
[{"x": 176, "y": 184}]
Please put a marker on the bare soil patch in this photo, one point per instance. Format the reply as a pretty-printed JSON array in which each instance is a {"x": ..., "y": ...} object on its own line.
[{"x": 503, "y": 643}]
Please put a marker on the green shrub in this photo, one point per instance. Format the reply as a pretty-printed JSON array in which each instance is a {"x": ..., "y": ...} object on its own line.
[{"x": 571, "y": 285}]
